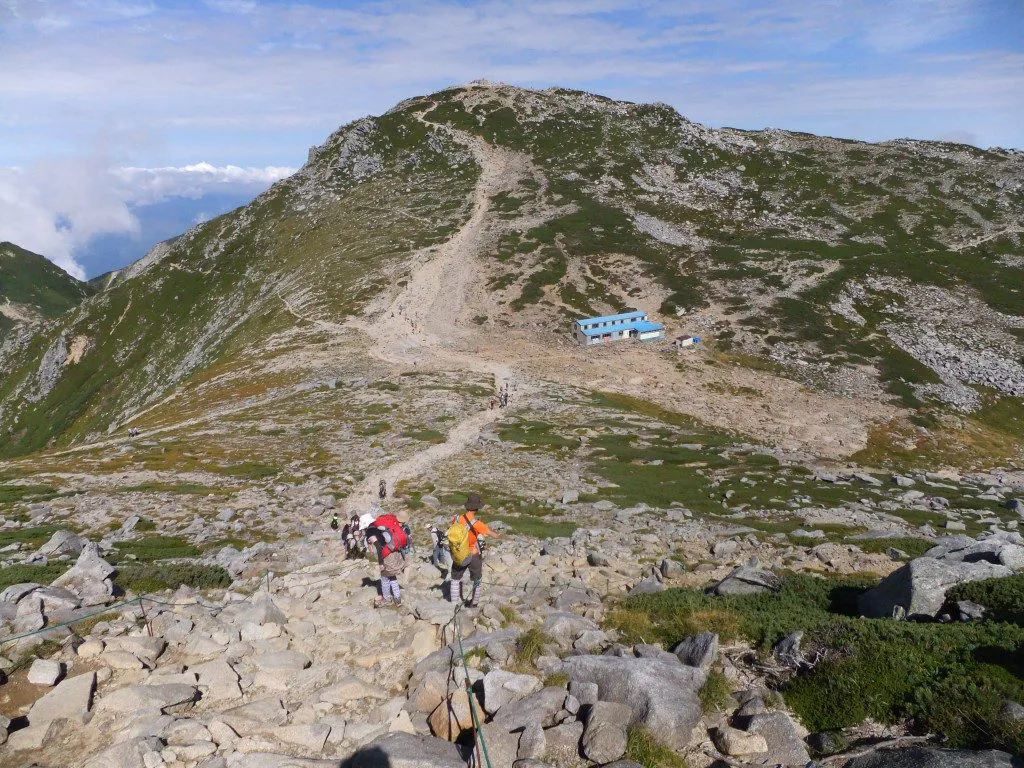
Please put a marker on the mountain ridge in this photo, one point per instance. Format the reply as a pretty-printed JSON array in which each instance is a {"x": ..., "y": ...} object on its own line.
[{"x": 747, "y": 237}]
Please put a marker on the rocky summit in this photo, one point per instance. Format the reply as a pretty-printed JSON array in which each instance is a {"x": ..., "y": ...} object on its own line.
[{"x": 793, "y": 543}]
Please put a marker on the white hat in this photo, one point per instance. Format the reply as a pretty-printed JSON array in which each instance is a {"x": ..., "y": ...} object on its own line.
[{"x": 365, "y": 521}]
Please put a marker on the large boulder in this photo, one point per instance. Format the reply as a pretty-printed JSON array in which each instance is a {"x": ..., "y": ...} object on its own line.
[
  {"x": 661, "y": 696},
  {"x": 140, "y": 700},
  {"x": 604, "y": 738},
  {"x": 70, "y": 700},
  {"x": 404, "y": 750},
  {"x": 63, "y": 543},
  {"x": 698, "y": 651},
  {"x": 783, "y": 739},
  {"x": 747, "y": 580},
  {"x": 91, "y": 577},
  {"x": 128, "y": 754},
  {"x": 501, "y": 688},
  {"x": 933, "y": 757},
  {"x": 918, "y": 589},
  {"x": 540, "y": 708}
]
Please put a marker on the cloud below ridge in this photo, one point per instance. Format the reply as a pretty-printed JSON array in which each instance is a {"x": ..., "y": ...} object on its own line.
[{"x": 55, "y": 206}]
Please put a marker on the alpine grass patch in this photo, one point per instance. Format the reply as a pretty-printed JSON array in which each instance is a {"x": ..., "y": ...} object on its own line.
[{"x": 950, "y": 679}]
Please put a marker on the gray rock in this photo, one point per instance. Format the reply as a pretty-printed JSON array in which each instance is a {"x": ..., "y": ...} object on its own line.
[
  {"x": 70, "y": 700},
  {"x": 14, "y": 593},
  {"x": 570, "y": 598},
  {"x": 787, "y": 650},
  {"x": 648, "y": 586},
  {"x": 128, "y": 754},
  {"x": 646, "y": 651},
  {"x": 151, "y": 699},
  {"x": 604, "y": 737},
  {"x": 501, "y": 688},
  {"x": 903, "y": 481},
  {"x": 90, "y": 577},
  {"x": 532, "y": 743},
  {"x": 968, "y": 611},
  {"x": 779, "y": 731},
  {"x": 698, "y": 651},
  {"x": 1012, "y": 711},
  {"x": 918, "y": 589},
  {"x": 502, "y": 746},
  {"x": 540, "y": 708},
  {"x": 570, "y": 497},
  {"x": 747, "y": 580},
  {"x": 563, "y": 743},
  {"x": 45, "y": 672},
  {"x": 672, "y": 569},
  {"x": 405, "y": 750},
  {"x": 566, "y": 627},
  {"x": 933, "y": 757},
  {"x": 585, "y": 693},
  {"x": 598, "y": 560},
  {"x": 56, "y": 599},
  {"x": 661, "y": 696},
  {"x": 63, "y": 543}
]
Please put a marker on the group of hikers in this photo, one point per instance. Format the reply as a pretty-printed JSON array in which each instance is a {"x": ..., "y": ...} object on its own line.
[{"x": 455, "y": 552}]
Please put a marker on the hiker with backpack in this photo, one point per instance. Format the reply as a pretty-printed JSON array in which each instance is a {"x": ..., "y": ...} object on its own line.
[
  {"x": 440, "y": 557},
  {"x": 390, "y": 540},
  {"x": 352, "y": 536},
  {"x": 466, "y": 543}
]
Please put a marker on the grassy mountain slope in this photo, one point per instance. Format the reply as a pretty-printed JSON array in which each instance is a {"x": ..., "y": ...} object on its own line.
[
  {"x": 33, "y": 288},
  {"x": 880, "y": 272}
]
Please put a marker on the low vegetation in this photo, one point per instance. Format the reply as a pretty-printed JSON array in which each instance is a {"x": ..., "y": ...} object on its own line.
[
  {"x": 139, "y": 578},
  {"x": 153, "y": 548},
  {"x": 950, "y": 679},
  {"x": 644, "y": 748}
]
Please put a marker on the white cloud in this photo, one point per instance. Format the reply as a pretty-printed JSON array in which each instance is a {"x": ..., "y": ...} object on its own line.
[{"x": 56, "y": 206}]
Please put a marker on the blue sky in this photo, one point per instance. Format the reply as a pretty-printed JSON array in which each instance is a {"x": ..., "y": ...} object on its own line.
[{"x": 107, "y": 84}]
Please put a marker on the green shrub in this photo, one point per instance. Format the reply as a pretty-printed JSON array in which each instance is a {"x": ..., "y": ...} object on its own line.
[
  {"x": 140, "y": 578},
  {"x": 30, "y": 537},
  {"x": 914, "y": 547},
  {"x": 145, "y": 525},
  {"x": 39, "y": 574},
  {"x": 1003, "y": 598},
  {"x": 643, "y": 748},
  {"x": 530, "y": 645},
  {"x": 716, "y": 695},
  {"x": 943, "y": 678},
  {"x": 557, "y": 680},
  {"x": 153, "y": 548}
]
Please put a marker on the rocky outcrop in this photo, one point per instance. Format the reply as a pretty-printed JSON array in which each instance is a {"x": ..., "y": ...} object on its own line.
[
  {"x": 660, "y": 695},
  {"x": 918, "y": 589}
]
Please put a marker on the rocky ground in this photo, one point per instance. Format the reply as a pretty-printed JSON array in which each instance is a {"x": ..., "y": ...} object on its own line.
[{"x": 291, "y": 666}]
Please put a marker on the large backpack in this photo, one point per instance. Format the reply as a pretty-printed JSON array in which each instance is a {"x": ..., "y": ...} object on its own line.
[
  {"x": 399, "y": 537},
  {"x": 458, "y": 541}
]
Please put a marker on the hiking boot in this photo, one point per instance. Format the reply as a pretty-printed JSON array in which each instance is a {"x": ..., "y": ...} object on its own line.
[
  {"x": 397, "y": 602},
  {"x": 383, "y": 602}
]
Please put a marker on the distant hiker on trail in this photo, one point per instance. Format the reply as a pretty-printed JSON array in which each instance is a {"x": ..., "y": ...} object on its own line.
[
  {"x": 382, "y": 490},
  {"x": 466, "y": 542},
  {"x": 334, "y": 522},
  {"x": 388, "y": 538},
  {"x": 440, "y": 557}
]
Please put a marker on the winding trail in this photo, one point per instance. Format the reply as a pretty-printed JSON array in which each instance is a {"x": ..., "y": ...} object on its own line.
[{"x": 423, "y": 326}]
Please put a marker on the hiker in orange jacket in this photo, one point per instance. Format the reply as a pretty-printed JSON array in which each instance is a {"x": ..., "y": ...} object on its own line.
[{"x": 474, "y": 560}]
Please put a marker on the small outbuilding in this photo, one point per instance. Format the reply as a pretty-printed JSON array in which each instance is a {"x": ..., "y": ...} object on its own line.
[{"x": 627, "y": 325}]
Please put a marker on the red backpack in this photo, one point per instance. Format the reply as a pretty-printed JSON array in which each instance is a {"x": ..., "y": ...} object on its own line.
[{"x": 399, "y": 538}]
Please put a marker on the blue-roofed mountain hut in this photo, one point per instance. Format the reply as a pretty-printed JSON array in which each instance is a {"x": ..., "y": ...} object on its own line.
[{"x": 628, "y": 325}]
